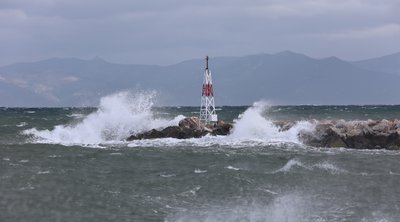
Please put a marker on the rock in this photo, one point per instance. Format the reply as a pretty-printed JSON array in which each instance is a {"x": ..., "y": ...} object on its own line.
[
  {"x": 171, "y": 132},
  {"x": 284, "y": 125},
  {"x": 187, "y": 128},
  {"x": 371, "y": 134},
  {"x": 381, "y": 126},
  {"x": 323, "y": 136},
  {"x": 191, "y": 123},
  {"x": 374, "y": 141},
  {"x": 182, "y": 132},
  {"x": 152, "y": 134},
  {"x": 222, "y": 128}
]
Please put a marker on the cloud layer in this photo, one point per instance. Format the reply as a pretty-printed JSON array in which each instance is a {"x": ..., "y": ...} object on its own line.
[{"x": 164, "y": 32}]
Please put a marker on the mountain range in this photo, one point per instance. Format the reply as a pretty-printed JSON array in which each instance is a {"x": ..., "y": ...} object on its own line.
[{"x": 281, "y": 78}]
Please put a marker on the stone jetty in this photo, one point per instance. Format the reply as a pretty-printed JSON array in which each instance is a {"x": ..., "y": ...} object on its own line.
[
  {"x": 190, "y": 127},
  {"x": 369, "y": 134}
]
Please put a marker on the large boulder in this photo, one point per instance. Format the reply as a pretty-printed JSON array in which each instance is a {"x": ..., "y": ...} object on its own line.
[
  {"x": 221, "y": 128},
  {"x": 376, "y": 140},
  {"x": 169, "y": 132},
  {"x": 284, "y": 125},
  {"x": 370, "y": 134},
  {"x": 191, "y": 123},
  {"x": 324, "y": 135},
  {"x": 189, "y": 127}
]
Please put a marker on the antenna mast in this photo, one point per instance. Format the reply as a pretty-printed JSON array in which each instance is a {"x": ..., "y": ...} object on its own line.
[{"x": 207, "y": 108}]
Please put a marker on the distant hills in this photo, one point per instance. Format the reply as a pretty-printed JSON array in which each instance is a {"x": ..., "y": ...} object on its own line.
[
  {"x": 282, "y": 78},
  {"x": 388, "y": 64}
]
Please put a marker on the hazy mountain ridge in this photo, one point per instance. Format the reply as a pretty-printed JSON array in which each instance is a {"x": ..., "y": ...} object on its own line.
[
  {"x": 388, "y": 63},
  {"x": 283, "y": 78}
]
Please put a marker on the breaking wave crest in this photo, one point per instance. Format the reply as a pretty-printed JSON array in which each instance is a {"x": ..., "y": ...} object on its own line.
[
  {"x": 118, "y": 116},
  {"x": 296, "y": 164},
  {"x": 250, "y": 129},
  {"x": 123, "y": 114},
  {"x": 290, "y": 165},
  {"x": 252, "y": 125}
]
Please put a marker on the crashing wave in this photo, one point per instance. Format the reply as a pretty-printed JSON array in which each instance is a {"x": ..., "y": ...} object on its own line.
[{"x": 126, "y": 114}]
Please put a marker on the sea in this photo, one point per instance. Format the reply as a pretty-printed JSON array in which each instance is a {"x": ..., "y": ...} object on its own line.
[{"x": 74, "y": 164}]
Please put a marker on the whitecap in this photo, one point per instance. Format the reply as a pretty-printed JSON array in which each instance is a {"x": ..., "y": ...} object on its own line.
[
  {"x": 267, "y": 191},
  {"x": 329, "y": 167},
  {"x": 167, "y": 175},
  {"x": 232, "y": 168},
  {"x": 22, "y": 124},
  {"x": 289, "y": 165},
  {"x": 190, "y": 192},
  {"x": 76, "y": 115},
  {"x": 54, "y": 156},
  {"x": 28, "y": 187},
  {"x": 326, "y": 166},
  {"x": 200, "y": 171}
]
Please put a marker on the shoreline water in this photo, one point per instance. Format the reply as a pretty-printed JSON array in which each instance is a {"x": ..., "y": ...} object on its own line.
[{"x": 75, "y": 165}]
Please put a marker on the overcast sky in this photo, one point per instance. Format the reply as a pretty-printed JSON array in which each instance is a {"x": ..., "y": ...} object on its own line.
[{"x": 169, "y": 31}]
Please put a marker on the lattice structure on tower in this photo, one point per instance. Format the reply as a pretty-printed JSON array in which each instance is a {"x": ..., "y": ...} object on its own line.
[{"x": 207, "y": 108}]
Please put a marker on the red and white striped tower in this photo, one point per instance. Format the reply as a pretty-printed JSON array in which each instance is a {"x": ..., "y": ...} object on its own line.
[{"x": 207, "y": 108}]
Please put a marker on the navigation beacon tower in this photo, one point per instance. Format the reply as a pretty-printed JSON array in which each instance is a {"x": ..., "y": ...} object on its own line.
[{"x": 207, "y": 108}]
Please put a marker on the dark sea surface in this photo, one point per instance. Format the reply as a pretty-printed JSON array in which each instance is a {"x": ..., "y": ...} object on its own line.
[{"x": 72, "y": 164}]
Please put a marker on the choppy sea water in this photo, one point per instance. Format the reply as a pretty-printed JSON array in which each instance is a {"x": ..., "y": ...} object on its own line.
[{"x": 72, "y": 164}]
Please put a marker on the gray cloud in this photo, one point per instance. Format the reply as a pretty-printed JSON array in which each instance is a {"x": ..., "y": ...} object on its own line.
[{"x": 163, "y": 32}]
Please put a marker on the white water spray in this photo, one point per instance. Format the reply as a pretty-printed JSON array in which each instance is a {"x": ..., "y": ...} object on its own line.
[
  {"x": 252, "y": 125},
  {"x": 289, "y": 207},
  {"x": 123, "y": 114},
  {"x": 250, "y": 129},
  {"x": 118, "y": 116}
]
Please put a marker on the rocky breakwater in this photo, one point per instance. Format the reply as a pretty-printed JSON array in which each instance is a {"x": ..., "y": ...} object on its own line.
[
  {"x": 189, "y": 127},
  {"x": 370, "y": 134}
]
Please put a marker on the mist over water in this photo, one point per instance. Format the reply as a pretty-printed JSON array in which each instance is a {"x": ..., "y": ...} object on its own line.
[{"x": 72, "y": 164}]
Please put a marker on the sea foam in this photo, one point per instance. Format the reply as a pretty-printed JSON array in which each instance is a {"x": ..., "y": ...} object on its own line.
[
  {"x": 252, "y": 125},
  {"x": 122, "y": 114},
  {"x": 323, "y": 166},
  {"x": 288, "y": 207},
  {"x": 118, "y": 116}
]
